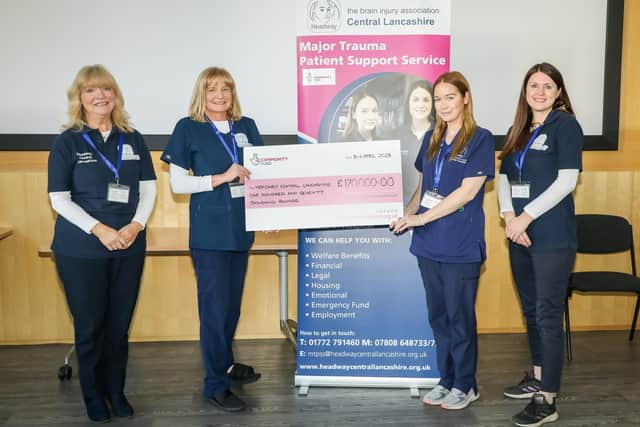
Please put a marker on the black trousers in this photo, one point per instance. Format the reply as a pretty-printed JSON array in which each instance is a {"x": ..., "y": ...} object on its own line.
[
  {"x": 102, "y": 295},
  {"x": 542, "y": 279}
]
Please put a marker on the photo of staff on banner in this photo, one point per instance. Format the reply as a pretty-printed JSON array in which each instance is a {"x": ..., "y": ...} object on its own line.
[{"x": 385, "y": 106}]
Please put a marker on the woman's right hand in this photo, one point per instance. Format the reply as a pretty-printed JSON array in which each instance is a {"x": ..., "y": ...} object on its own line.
[
  {"x": 109, "y": 237},
  {"x": 521, "y": 239},
  {"x": 230, "y": 175},
  {"x": 508, "y": 216},
  {"x": 400, "y": 225},
  {"x": 237, "y": 171}
]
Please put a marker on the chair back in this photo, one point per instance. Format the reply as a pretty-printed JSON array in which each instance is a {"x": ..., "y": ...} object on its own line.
[{"x": 603, "y": 234}]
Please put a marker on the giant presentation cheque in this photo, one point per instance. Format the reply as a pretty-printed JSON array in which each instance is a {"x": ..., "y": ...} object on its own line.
[{"x": 323, "y": 185}]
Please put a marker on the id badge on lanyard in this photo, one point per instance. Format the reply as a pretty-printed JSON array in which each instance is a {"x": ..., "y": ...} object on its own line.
[
  {"x": 236, "y": 189},
  {"x": 116, "y": 192},
  {"x": 520, "y": 190},
  {"x": 430, "y": 199}
]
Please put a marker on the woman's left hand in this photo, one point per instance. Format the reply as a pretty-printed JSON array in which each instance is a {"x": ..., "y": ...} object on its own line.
[
  {"x": 518, "y": 225},
  {"x": 405, "y": 222},
  {"x": 130, "y": 232}
]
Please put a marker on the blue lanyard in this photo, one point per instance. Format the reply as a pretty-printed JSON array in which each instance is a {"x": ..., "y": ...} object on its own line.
[
  {"x": 442, "y": 157},
  {"x": 233, "y": 154},
  {"x": 521, "y": 154},
  {"x": 112, "y": 168}
]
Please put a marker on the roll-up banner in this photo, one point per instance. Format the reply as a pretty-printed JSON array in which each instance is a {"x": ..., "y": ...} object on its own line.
[{"x": 362, "y": 315}]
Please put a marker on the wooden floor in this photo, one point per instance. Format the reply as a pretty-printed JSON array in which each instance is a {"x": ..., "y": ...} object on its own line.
[{"x": 600, "y": 387}]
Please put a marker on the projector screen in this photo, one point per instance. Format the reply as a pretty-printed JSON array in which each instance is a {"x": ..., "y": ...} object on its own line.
[{"x": 156, "y": 48}]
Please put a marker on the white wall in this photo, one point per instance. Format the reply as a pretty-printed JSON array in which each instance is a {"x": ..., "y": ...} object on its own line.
[{"x": 495, "y": 42}]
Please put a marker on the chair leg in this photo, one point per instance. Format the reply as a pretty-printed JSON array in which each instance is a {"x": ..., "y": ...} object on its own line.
[
  {"x": 635, "y": 320},
  {"x": 567, "y": 331}
]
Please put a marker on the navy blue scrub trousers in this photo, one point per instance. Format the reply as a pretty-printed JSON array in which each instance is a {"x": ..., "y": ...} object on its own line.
[
  {"x": 542, "y": 278},
  {"x": 451, "y": 296},
  {"x": 220, "y": 276},
  {"x": 101, "y": 294}
]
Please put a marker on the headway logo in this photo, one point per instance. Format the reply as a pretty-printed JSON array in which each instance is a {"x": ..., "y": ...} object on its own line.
[
  {"x": 266, "y": 161},
  {"x": 323, "y": 16},
  {"x": 462, "y": 156}
]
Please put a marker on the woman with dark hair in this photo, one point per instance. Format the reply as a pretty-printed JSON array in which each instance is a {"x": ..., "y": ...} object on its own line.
[
  {"x": 103, "y": 187},
  {"x": 455, "y": 161},
  {"x": 363, "y": 118},
  {"x": 418, "y": 119},
  {"x": 210, "y": 143},
  {"x": 541, "y": 160}
]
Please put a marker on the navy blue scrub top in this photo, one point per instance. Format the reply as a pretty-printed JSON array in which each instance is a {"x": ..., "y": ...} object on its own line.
[
  {"x": 557, "y": 146},
  {"x": 217, "y": 221},
  {"x": 76, "y": 167},
  {"x": 459, "y": 236}
]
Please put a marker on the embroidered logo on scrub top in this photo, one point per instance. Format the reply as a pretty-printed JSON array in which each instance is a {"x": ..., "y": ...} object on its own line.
[
  {"x": 461, "y": 157},
  {"x": 127, "y": 153},
  {"x": 538, "y": 143},
  {"x": 242, "y": 140},
  {"x": 86, "y": 157}
]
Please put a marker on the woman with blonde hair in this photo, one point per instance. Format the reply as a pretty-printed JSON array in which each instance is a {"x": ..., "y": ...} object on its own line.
[
  {"x": 210, "y": 143},
  {"x": 102, "y": 185},
  {"x": 454, "y": 163}
]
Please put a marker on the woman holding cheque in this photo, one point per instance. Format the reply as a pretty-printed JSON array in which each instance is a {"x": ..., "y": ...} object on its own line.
[
  {"x": 210, "y": 143},
  {"x": 454, "y": 162}
]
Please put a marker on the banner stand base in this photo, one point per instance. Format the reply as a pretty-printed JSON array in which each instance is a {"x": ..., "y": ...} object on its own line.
[
  {"x": 413, "y": 384},
  {"x": 303, "y": 390}
]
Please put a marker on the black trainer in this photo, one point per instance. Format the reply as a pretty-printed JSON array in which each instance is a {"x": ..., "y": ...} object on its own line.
[
  {"x": 227, "y": 401},
  {"x": 525, "y": 388},
  {"x": 537, "y": 412}
]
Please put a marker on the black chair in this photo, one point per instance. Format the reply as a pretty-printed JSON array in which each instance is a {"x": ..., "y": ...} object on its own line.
[{"x": 603, "y": 234}]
